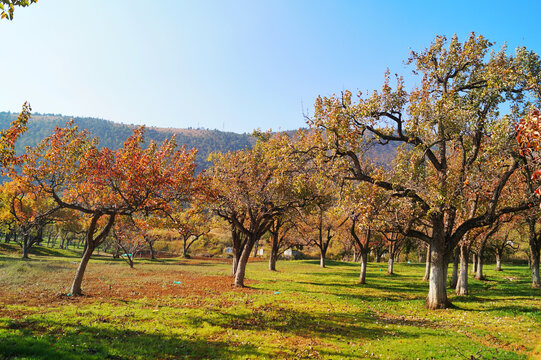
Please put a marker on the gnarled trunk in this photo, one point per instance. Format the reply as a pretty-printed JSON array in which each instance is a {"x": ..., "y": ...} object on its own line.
[{"x": 462, "y": 283}]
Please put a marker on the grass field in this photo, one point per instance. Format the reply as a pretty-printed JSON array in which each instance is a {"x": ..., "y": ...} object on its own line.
[{"x": 301, "y": 311}]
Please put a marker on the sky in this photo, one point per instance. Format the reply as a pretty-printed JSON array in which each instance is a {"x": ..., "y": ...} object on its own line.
[{"x": 228, "y": 65}]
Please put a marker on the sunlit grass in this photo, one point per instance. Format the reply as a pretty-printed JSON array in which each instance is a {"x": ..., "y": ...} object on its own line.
[{"x": 301, "y": 311}]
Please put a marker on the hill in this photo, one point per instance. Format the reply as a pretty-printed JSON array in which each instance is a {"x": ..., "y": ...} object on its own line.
[{"x": 112, "y": 135}]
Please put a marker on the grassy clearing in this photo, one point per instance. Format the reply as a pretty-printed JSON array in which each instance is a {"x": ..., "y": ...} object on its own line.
[{"x": 301, "y": 311}]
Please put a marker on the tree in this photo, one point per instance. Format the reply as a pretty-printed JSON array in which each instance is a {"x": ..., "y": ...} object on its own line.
[
  {"x": 250, "y": 188},
  {"x": 8, "y": 137},
  {"x": 320, "y": 223},
  {"x": 30, "y": 210},
  {"x": 128, "y": 238},
  {"x": 529, "y": 137},
  {"x": 456, "y": 108},
  {"x": 364, "y": 203},
  {"x": 279, "y": 240},
  {"x": 501, "y": 245},
  {"x": 103, "y": 184},
  {"x": 7, "y": 7},
  {"x": 190, "y": 223}
]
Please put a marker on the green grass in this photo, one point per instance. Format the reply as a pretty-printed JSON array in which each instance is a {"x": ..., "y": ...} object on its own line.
[{"x": 301, "y": 311}]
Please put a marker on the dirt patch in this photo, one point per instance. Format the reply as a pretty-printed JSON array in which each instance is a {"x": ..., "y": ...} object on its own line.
[{"x": 111, "y": 283}]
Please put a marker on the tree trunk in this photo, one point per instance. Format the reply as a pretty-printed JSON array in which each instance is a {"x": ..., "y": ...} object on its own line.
[
  {"x": 474, "y": 262},
  {"x": 151, "y": 247},
  {"x": 322, "y": 260},
  {"x": 536, "y": 282},
  {"x": 256, "y": 247},
  {"x": 272, "y": 263},
  {"x": 243, "y": 261},
  {"x": 498, "y": 262},
  {"x": 364, "y": 260},
  {"x": 76, "y": 286},
  {"x": 90, "y": 244},
  {"x": 26, "y": 250},
  {"x": 185, "y": 254},
  {"x": 462, "y": 283},
  {"x": 479, "y": 274},
  {"x": 378, "y": 256},
  {"x": 454, "y": 276},
  {"x": 437, "y": 289},
  {"x": 390, "y": 265},
  {"x": 428, "y": 263},
  {"x": 235, "y": 265},
  {"x": 275, "y": 244}
]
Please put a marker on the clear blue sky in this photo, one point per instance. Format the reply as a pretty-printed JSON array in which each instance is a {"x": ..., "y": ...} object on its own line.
[{"x": 233, "y": 65}]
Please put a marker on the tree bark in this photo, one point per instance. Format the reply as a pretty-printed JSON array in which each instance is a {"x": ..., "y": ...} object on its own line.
[
  {"x": 356, "y": 256},
  {"x": 536, "y": 281},
  {"x": 390, "y": 265},
  {"x": 152, "y": 253},
  {"x": 454, "y": 276},
  {"x": 498, "y": 262},
  {"x": 26, "y": 249},
  {"x": 272, "y": 263},
  {"x": 428, "y": 263},
  {"x": 243, "y": 261},
  {"x": 535, "y": 252},
  {"x": 322, "y": 259},
  {"x": 256, "y": 247},
  {"x": 275, "y": 244},
  {"x": 462, "y": 283},
  {"x": 90, "y": 244},
  {"x": 437, "y": 289},
  {"x": 76, "y": 286},
  {"x": 185, "y": 254},
  {"x": 474, "y": 263},
  {"x": 364, "y": 260},
  {"x": 235, "y": 265},
  {"x": 479, "y": 273}
]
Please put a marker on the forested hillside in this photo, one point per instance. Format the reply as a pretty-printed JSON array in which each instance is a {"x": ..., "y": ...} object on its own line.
[{"x": 112, "y": 134}]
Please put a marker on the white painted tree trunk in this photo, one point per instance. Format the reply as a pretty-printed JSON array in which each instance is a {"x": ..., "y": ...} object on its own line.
[
  {"x": 462, "y": 283},
  {"x": 437, "y": 289},
  {"x": 498, "y": 262},
  {"x": 364, "y": 260},
  {"x": 428, "y": 263}
]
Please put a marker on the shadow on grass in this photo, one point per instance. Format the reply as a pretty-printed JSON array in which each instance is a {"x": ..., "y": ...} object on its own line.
[
  {"x": 330, "y": 325},
  {"x": 45, "y": 340}
]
